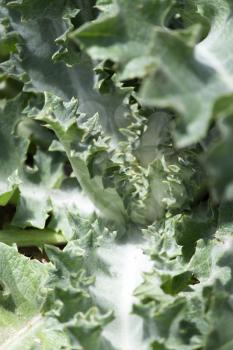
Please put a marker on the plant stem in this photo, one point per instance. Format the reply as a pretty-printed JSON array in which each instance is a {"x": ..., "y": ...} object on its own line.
[{"x": 31, "y": 238}]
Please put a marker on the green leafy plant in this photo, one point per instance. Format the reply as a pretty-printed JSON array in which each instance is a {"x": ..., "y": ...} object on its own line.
[{"x": 116, "y": 176}]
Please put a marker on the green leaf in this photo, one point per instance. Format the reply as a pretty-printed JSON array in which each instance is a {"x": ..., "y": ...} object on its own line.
[
  {"x": 189, "y": 228},
  {"x": 164, "y": 58},
  {"x": 61, "y": 117},
  {"x": 21, "y": 297},
  {"x": 34, "y": 205},
  {"x": 13, "y": 149},
  {"x": 36, "y": 69},
  {"x": 68, "y": 201},
  {"x": 70, "y": 302},
  {"x": 217, "y": 161},
  {"x": 116, "y": 35}
]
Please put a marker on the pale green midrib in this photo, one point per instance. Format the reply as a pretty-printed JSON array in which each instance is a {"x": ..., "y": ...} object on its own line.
[
  {"x": 29, "y": 328},
  {"x": 31, "y": 237}
]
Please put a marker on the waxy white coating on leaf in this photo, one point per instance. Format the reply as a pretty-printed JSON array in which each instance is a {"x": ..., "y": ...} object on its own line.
[{"x": 126, "y": 264}]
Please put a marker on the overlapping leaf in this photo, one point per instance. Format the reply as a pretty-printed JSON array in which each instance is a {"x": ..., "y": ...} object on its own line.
[
  {"x": 22, "y": 294},
  {"x": 164, "y": 58}
]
